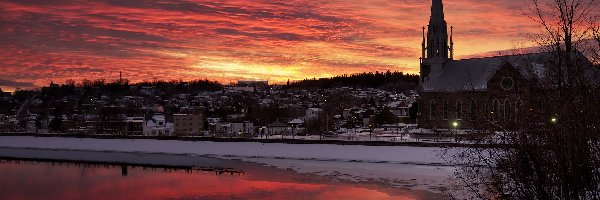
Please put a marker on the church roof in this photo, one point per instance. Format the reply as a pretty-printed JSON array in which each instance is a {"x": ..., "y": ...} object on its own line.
[{"x": 474, "y": 74}]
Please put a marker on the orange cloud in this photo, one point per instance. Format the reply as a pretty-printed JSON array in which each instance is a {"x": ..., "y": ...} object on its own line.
[{"x": 197, "y": 39}]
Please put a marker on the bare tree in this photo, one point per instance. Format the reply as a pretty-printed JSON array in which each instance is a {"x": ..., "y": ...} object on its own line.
[
  {"x": 553, "y": 151},
  {"x": 566, "y": 26}
]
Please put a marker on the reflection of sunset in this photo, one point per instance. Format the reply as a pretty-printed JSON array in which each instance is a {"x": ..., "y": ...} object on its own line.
[
  {"x": 235, "y": 39},
  {"x": 72, "y": 182}
]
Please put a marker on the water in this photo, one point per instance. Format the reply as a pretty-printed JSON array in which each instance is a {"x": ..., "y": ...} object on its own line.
[{"x": 71, "y": 180}]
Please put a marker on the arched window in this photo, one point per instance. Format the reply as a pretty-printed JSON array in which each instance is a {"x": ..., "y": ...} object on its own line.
[
  {"x": 459, "y": 109},
  {"x": 495, "y": 109},
  {"x": 432, "y": 110},
  {"x": 518, "y": 106},
  {"x": 473, "y": 110},
  {"x": 501, "y": 110},
  {"x": 445, "y": 110},
  {"x": 507, "y": 110}
]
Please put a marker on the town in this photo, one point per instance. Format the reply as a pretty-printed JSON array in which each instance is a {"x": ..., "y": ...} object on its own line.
[{"x": 246, "y": 109}]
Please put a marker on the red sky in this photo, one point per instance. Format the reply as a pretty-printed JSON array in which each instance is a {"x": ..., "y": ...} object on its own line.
[{"x": 273, "y": 40}]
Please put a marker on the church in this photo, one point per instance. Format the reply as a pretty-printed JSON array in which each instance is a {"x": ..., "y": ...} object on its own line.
[{"x": 467, "y": 93}]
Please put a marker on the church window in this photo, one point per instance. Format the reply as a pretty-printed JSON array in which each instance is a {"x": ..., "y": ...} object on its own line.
[
  {"x": 507, "y": 110},
  {"x": 473, "y": 110},
  {"x": 459, "y": 109},
  {"x": 495, "y": 109},
  {"x": 507, "y": 83},
  {"x": 445, "y": 110},
  {"x": 432, "y": 110},
  {"x": 518, "y": 107}
]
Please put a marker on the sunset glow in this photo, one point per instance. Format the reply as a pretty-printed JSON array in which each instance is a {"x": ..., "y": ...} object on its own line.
[{"x": 46, "y": 41}]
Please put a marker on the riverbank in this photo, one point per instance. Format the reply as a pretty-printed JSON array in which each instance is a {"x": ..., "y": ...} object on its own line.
[
  {"x": 319, "y": 152},
  {"x": 298, "y": 140}
]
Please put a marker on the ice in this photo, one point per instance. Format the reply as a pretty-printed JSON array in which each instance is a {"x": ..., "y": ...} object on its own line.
[{"x": 332, "y": 152}]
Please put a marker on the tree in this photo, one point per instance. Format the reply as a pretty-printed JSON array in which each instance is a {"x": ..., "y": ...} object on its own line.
[
  {"x": 553, "y": 152},
  {"x": 384, "y": 117},
  {"x": 56, "y": 123}
]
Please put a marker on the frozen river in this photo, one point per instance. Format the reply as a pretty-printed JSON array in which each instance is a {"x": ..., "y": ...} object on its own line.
[{"x": 380, "y": 172}]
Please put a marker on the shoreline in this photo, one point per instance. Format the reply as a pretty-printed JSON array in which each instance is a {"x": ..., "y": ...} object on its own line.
[
  {"x": 235, "y": 150},
  {"x": 274, "y": 141}
]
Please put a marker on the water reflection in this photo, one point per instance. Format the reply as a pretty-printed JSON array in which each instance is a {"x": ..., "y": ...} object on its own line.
[{"x": 64, "y": 180}]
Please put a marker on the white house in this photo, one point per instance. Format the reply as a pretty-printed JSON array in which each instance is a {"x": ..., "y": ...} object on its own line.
[{"x": 158, "y": 125}]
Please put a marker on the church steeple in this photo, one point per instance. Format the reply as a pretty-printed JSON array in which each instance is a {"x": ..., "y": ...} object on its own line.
[
  {"x": 436, "y": 51},
  {"x": 437, "y": 32},
  {"x": 437, "y": 10}
]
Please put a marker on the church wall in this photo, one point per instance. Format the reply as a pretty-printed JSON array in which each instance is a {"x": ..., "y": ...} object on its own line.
[{"x": 497, "y": 104}]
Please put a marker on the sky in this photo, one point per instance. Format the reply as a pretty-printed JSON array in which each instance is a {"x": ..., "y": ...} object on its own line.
[{"x": 53, "y": 41}]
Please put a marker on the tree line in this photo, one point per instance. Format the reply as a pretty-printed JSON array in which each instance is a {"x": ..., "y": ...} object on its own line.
[{"x": 393, "y": 81}]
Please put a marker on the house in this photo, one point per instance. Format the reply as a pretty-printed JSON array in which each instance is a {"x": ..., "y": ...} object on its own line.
[
  {"x": 242, "y": 127},
  {"x": 278, "y": 128},
  {"x": 296, "y": 123},
  {"x": 158, "y": 124}
]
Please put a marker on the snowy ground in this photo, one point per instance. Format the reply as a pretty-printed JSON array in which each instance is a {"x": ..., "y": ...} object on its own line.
[
  {"x": 365, "y": 136},
  {"x": 397, "y": 166},
  {"x": 355, "y": 153}
]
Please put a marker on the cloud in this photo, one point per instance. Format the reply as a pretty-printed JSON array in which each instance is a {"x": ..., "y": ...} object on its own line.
[
  {"x": 191, "y": 39},
  {"x": 15, "y": 84}
]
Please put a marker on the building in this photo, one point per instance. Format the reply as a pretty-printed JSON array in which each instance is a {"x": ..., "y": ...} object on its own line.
[
  {"x": 278, "y": 128},
  {"x": 6, "y": 96},
  {"x": 158, "y": 125},
  {"x": 188, "y": 124},
  {"x": 312, "y": 113},
  {"x": 467, "y": 93},
  {"x": 244, "y": 127},
  {"x": 135, "y": 125},
  {"x": 234, "y": 128},
  {"x": 253, "y": 83}
]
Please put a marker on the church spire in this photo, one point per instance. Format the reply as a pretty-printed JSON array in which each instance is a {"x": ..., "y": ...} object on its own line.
[
  {"x": 437, "y": 32},
  {"x": 451, "y": 43},
  {"x": 423, "y": 48},
  {"x": 436, "y": 51},
  {"x": 437, "y": 10}
]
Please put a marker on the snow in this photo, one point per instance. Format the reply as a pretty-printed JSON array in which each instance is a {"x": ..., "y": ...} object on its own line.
[
  {"x": 331, "y": 152},
  {"x": 398, "y": 166},
  {"x": 416, "y": 177},
  {"x": 114, "y": 157}
]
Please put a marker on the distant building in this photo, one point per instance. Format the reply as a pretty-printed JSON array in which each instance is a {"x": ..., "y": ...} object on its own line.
[
  {"x": 312, "y": 113},
  {"x": 252, "y": 83},
  {"x": 278, "y": 128},
  {"x": 135, "y": 125},
  {"x": 5, "y": 95},
  {"x": 188, "y": 124},
  {"x": 158, "y": 125},
  {"x": 248, "y": 86},
  {"x": 242, "y": 127}
]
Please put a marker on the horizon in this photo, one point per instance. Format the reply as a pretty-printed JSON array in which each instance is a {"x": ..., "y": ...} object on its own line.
[
  {"x": 232, "y": 83},
  {"x": 237, "y": 40}
]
